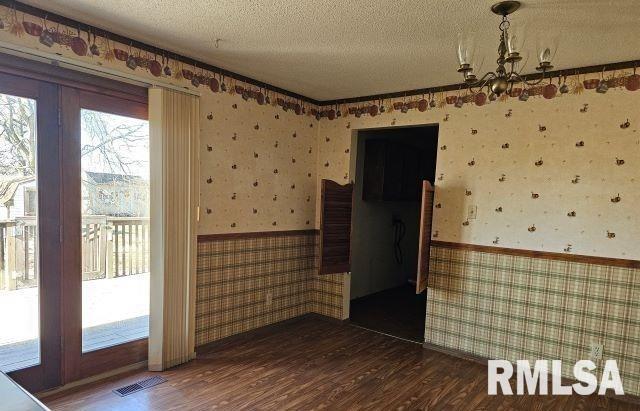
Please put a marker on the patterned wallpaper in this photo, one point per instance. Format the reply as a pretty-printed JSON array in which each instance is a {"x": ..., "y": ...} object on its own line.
[
  {"x": 514, "y": 307},
  {"x": 258, "y": 167},
  {"x": 246, "y": 283},
  {"x": 560, "y": 175}
]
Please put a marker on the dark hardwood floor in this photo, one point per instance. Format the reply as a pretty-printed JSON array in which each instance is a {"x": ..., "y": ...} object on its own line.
[
  {"x": 398, "y": 311},
  {"x": 312, "y": 363}
]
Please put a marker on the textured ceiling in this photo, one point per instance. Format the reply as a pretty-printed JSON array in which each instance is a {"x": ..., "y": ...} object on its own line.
[{"x": 338, "y": 49}]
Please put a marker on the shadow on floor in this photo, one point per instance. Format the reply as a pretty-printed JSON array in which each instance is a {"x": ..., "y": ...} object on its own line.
[{"x": 397, "y": 311}]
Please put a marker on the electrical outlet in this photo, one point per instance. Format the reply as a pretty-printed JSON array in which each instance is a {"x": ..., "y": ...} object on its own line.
[
  {"x": 473, "y": 212},
  {"x": 596, "y": 352},
  {"x": 269, "y": 298}
]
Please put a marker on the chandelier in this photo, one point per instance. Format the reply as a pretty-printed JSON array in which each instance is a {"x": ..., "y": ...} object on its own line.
[{"x": 506, "y": 74}]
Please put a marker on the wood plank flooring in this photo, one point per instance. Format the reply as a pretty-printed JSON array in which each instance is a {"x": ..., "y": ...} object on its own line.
[{"x": 312, "y": 364}]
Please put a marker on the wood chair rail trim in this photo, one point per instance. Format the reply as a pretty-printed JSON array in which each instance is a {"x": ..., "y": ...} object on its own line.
[
  {"x": 575, "y": 258},
  {"x": 205, "y": 238}
]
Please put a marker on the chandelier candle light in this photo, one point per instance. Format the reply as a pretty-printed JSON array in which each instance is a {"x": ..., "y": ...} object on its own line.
[{"x": 502, "y": 80}]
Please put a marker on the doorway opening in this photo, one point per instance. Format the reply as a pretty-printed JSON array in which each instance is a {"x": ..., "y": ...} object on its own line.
[{"x": 390, "y": 166}]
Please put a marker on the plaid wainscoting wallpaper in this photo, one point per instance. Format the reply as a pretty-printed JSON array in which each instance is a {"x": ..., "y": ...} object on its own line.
[
  {"x": 515, "y": 307},
  {"x": 327, "y": 295},
  {"x": 237, "y": 276}
]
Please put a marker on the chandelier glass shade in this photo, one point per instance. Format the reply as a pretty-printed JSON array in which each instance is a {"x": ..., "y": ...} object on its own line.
[{"x": 510, "y": 47}]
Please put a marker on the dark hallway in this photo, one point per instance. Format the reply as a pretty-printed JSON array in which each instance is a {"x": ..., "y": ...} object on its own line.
[
  {"x": 390, "y": 167},
  {"x": 397, "y": 311}
]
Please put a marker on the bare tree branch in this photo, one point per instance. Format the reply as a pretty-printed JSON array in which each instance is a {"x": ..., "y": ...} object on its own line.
[{"x": 112, "y": 147}]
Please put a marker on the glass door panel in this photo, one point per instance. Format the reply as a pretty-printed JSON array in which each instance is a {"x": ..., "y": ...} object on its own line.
[
  {"x": 105, "y": 309},
  {"x": 30, "y": 248},
  {"x": 19, "y": 267},
  {"x": 115, "y": 229}
]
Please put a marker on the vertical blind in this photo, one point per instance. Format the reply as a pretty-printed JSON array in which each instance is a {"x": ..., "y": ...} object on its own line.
[{"x": 174, "y": 146}]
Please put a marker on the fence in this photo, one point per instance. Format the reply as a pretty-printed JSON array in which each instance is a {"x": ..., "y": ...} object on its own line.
[
  {"x": 111, "y": 247},
  {"x": 18, "y": 256}
]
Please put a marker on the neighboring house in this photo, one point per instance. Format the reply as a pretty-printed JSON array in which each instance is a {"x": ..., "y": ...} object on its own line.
[
  {"x": 17, "y": 197},
  {"x": 116, "y": 195},
  {"x": 107, "y": 194},
  {"x": 18, "y": 205}
]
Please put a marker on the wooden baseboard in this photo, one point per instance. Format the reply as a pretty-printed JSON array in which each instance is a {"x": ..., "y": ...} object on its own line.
[
  {"x": 456, "y": 353},
  {"x": 259, "y": 332},
  {"x": 327, "y": 318},
  {"x": 92, "y": 379}
]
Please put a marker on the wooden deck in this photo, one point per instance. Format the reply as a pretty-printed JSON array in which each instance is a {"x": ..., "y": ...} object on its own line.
[
  {"x": 312, "y": 363},
  {"x": 115, "y": 311},
  {"x": 27, "y": 353},
  {"x": 107, "y": 335},
  {"x": 19, "y": 355}
]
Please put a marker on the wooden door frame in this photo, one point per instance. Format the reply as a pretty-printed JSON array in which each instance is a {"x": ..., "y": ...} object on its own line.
[
  {"x": 79, "y": 365},
  {"x": 47, "y": 374},
  {"x": 353, "y": 161},
  {"x": 51, "y": 73},
  {"x": 34, "y": 79},
  {"x": 424, "y": 236}
]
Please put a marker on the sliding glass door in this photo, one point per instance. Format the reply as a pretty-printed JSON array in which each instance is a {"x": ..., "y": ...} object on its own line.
[
  {"x": 106, "y": 141},
  {"x": 29, "y": 232},
  {"x": 74, "y": 224}
]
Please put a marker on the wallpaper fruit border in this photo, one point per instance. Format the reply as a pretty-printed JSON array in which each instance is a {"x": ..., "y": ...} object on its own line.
[{"x": 91, "y": 46}]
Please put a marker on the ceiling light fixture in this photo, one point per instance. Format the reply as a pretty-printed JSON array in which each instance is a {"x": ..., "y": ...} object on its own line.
[{"x": 502, "y": 79}]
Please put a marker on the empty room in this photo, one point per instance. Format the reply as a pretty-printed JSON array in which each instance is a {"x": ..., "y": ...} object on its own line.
[{"x": 356, "y": 205}]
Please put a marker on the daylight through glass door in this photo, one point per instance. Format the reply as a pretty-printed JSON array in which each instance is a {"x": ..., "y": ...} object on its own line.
[
  {"x": 115, "y": 229},
  {"x": 19, "y": 270}
]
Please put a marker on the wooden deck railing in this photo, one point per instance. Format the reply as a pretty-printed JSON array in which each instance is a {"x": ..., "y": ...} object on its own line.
[
  {"x": 111, "y": 247},
  {"x": 18, "y": 256},
  {"x": 114, "y": 246}
]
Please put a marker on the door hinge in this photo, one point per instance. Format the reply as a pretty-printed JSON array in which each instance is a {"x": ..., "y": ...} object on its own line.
[
  {"x": 59, "y": 118},
  {"x": 60, "y": 230}
]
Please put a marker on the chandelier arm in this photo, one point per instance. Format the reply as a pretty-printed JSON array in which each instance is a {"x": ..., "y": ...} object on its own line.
[
  {"x": 530, "y": 83},
  {"x": 482, "y": 83},
  {"x": 517, "y": 76},
  {"x": 488, "y": 76}
]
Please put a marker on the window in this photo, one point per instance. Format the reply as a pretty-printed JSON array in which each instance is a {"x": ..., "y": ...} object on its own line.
[{"x": 30, "y": 201}]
